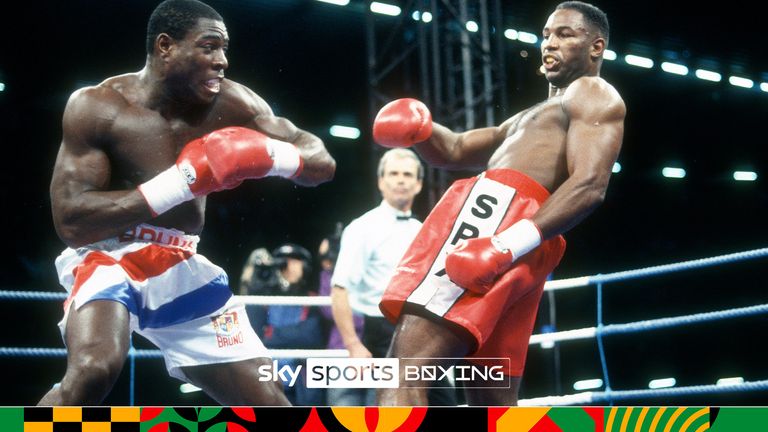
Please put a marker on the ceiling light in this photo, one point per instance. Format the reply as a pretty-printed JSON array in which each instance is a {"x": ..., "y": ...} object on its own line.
[
  {"x": 345, "y": 132},
  {"x": 385, "y": 9},
  {"x": 708, "y": 75},
  {"x": 643, "y": 62},
  {"x": 674, "y": 68}
]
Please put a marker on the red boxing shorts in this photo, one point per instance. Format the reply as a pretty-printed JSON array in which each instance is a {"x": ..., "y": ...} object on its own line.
[{"x": 501, "y": 321}]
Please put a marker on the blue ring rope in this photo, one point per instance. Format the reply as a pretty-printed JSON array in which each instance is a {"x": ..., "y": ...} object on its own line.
[
  {"x": 32, "y": 295},
  {"x": 654, "y": 324},
  {"x": 684, "y": 265},
  {"x": 599, "y": 397},
  {"x": 62, "y": 352}
]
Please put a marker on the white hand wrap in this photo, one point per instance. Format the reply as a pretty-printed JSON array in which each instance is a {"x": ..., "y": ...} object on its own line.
[
  {"x": 166, "y": 190},
  {"x": 519, "y": 239},
  {"x": 285, "y": 156}
]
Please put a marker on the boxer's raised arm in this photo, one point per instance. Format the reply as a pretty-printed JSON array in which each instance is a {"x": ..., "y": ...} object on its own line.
[
  {"x": 408, "y": 122},
  {"x": 318, "y": 166}
]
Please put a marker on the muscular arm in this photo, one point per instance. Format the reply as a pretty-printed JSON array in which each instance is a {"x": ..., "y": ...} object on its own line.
[
  {"x": 467, "y": 150},
  {"x": 84, "y": 210},
  {"x": 593, "y": 141},
  {"x": 319, "y": 166}
]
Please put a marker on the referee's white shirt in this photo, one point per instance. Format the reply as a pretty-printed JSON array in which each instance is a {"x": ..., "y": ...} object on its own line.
[{"x": 371, "y": 247}]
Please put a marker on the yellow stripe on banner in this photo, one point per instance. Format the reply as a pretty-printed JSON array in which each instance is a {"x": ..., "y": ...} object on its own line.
[
  {"x": 126, "y": 414},
  {"x": 352, "y": 418},
  {"x": 38, "y": 427},
  {"x": 625, "y": 421},
  {"x": 698, "y": 414},
  {"x": 703, "y": 427},
  {"x": 611, "y": 418},
  {"x": 67, "y": 414},
  {"x": 672, "y": 419},
  {"x": 656, "y": 419},
  {"x": 641, "y": 419},
  {"x": 97, "y": 426},
  {"x": 520, "y": 419}
]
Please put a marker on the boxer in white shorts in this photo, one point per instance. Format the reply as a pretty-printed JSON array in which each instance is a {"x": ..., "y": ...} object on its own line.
[
  {"x": 176, "y": 298},
  {"x": 148, "y": 147}
]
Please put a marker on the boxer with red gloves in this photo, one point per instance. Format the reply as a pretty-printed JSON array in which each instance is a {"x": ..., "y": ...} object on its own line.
[
  {"x": 470, "y": 283},
  {"x": 139, "y": 154},
  {"x": 220, "y": 160},
  {"x": 476, "y": 263}
]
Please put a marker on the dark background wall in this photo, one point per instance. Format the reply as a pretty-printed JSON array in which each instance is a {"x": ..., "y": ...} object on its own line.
[{"x": 307, "y": 59}]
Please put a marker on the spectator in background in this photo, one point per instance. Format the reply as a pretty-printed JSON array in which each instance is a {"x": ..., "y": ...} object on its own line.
[
  {"x": 260, "y": 277},
  {"x": 286, "y": 272}
]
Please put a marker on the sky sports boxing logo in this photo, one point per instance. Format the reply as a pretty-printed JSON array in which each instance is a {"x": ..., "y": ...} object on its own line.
[{"x": 406, "y": 372}]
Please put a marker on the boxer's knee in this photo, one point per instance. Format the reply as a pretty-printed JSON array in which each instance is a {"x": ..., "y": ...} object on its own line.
[
  {"x": 90, "y": 377},
  {"x": 417, "y": 335}
]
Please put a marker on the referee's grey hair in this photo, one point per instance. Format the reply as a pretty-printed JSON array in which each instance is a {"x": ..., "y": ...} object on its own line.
[{"x": 400, "y": 153}]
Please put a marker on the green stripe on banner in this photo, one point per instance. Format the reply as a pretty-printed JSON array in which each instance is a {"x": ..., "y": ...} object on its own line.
[
  {"x": 740, "y": 419},
  {"x": 572, "y": 419},
  {"x": 12, "y": 419}
]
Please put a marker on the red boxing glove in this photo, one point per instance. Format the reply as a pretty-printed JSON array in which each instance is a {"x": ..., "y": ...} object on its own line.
[
  {"x": 217, "y": 161},
  {"x": 402, "y": 123},
  {"x": 193, "y": 165},
  {"x": 476, "y": 263},
  {"x": 238, "y": 153}
]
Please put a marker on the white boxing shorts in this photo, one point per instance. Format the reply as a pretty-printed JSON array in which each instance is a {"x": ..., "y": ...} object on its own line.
[{"x": 176, "y": 298}]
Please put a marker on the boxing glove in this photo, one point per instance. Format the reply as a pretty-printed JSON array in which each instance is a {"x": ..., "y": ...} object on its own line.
[
  {"x": 402, "y": 123},
  {"x": 475, "y": 264},
  {"x": 220, "y": 160}
]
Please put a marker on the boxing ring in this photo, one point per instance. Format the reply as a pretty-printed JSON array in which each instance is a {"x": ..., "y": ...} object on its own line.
[{"x": 599, "y": 332}]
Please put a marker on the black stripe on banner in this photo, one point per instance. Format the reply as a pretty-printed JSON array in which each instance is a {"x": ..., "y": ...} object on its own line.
[
  {"x": 68, "y": 427},
  {"x": 126, "y": 427},
  {"x": 97, "y": 414},
  {"x": 38, "y": 414}
]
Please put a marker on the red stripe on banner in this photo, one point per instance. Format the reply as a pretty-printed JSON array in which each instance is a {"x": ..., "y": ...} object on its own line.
[
  {"x": 545, "y": 425},
  {"x": 414, "y": 420},
  {"x": 597, "y": 415},
  {"x": 494, "y": 414},
  {"x": 245, "y": 413},
  {"x": 371, "y": 418},
  {"x": 313, "y": 424}
]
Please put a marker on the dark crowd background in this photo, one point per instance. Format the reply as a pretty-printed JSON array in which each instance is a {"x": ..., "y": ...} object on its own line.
[{"x": 307, "y": 59}]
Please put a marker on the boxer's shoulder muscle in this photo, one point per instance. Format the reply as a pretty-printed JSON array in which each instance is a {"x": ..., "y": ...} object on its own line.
[
  {"x": 93, "y": 112},
  {"x": 593, "y": 96},
  {"x": 240, "y": 101}
]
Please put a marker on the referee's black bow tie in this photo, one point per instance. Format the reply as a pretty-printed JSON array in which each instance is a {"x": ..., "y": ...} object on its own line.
[{"x": 404, "y": 217}]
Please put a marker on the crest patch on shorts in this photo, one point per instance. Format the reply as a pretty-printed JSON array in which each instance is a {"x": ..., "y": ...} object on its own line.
[{"x": 227, "y": 329}]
